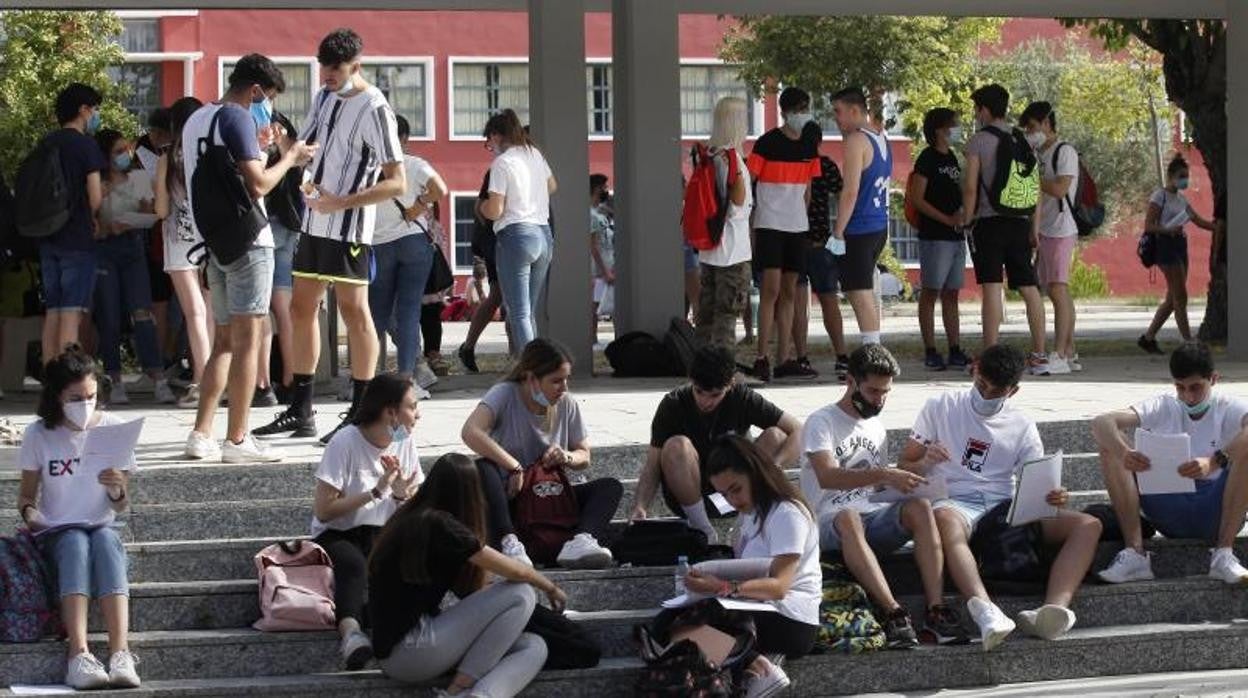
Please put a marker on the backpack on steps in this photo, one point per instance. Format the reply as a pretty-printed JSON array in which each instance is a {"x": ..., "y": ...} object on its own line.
[
  {"x": 27, "y": 610},
  {"x": 296, "y": 587},
  {"x": 639, "y": 355},
  {"x": 682, "y": 343},
  {"x": 847, "y": 624},
  {"x": 546, "y": 512}
]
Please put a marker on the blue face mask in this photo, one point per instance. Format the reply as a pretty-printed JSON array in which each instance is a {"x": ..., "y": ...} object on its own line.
[
  {"x": 122, "y": 161},
  {"x": 1183, "y": 183},
  {"x": 983, "y": 406},
  {"x": 540, "y": 398},
  {"x": 399, "y": 433},
  {"x": 262, "y": 112},
  {"x": 93, "y": 123}
]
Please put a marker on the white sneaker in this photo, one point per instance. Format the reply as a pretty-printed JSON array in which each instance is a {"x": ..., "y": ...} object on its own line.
[
  {"x": 1075, "y": 364},
  {"x": 85, "y": 672},
  {"x": 1128, "y": 566},
  {"x": 117, "y": 394},
  {"x": 1225, "y": 566},
  {"x": 1048, "y": 622},
  {"x": 164, "y": 394},
  {"x": 1038, "y": 364},
  {"x": 190, "y": 400},
  {"x": 356, "y": 650},
  {"x": 584, "y": 552},
  {"x": 994, "y": 626},
  {"x": 201, "y": 447},
  {"x": 514, "y": 549},
  {"x": 1058, "y": 366},
  {"x": 422, "y": 394},
  {"x": 121, "y": 672},
  {"x": 249, "y": 451},
  {"x": 425, "y": 377},
  {"x": 769, "y": 684}
]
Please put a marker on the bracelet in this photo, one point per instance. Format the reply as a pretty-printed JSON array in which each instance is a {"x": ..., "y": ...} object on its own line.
[
  {"x": 122, "y": 498},
  {"x": 376, "y": 493}
]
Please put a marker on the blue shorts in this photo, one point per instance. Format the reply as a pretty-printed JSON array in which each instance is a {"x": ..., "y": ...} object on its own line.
[
  {"x": 972, "y": 507},
  {"x": 89, "y": 562},
  {"x": 68, "y": 278},
  {"x": 691, "y": 258},
  {"x": 1188, "y": 514},
  {"x": 284, "y": 242},
  {"x": 242, "y": 287},
  {"x": 882, "y": 527},
  {"x": 822, "y": 270}
]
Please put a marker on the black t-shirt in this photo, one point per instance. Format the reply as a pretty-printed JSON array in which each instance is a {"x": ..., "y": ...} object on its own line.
[
  {"x": 944, "y": 191},
  {"x": 741, "y": 408},
  {"x": 80, "y": 156},
  {"x": 396, "y": 605}
]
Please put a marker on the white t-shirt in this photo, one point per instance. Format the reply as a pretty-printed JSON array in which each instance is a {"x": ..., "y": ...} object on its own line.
[
  {"x": 68, "y": 493},
  {"x": 788, "y": 530},
  {"x": 985, "y": 451},
  {"x": 352, "y": 465},
  {"x": 1216, "y": 428},
  {"x": 734, "y": 246},
  {"x": 1056, "y": 218},
  {"x": 390, "y": 223},
  {"x": 520, "y": 175},
  {"x": 1173, "y": 208},
  {"x": 856, "y": 444},
  {"x": 196, "y": 128},
  {"x": 357, "y": 135}
]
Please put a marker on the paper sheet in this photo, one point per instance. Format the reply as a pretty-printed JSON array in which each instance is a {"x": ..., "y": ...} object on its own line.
[
  {"x": 729, "y": 604},
  {"x": 1165, "y": 452},
  {"x": 721, "y": 503},
  {"x": 935, "y": 488},
  {"x": 1037, "y": 479},
  {"x": 18, "y": 689},
  {"x": 110, "y": 445}
]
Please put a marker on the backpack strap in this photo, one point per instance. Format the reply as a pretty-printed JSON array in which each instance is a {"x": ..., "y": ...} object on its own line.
[
  {"x": 204, "y": 142},
  {"x": 1065, "y": 200}
]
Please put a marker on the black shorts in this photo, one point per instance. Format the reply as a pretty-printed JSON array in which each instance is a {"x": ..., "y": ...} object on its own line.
[
  {"x": 1171, "y": 250},
  {"x": 999, "y": 242},
  {"x": 777, "y": 249},
  {"x": 857, "y": 267},
  {"x": 334, "y": 261}
]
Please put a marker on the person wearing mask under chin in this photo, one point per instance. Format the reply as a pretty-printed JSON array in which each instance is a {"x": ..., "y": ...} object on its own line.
[{"x": 70, "y": 509}]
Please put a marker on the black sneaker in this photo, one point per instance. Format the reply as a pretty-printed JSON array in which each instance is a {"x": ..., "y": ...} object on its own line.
[
  {"x": 289, "y": 421},
  {"x": 898, "y": 630},
  {"x": 943, "y": 626},
  {"x": 804, "y": 362},
  {"x": 346, "y": 417},
  {"x": 264, "y": 397},
  {"x": 794, "y": 369},
  {"x": 933, "y": 360},
  {"x": 468, "y": 357},
  {"x": 842, "y": 366},
  {"x": 1149, "y": 345},
  {"x": 957, "y": 359},
  {"x": 762, "y": 369}
]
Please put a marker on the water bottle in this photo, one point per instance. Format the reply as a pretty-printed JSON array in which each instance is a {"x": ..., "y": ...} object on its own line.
[
  {"x": 682, "y": 569},
  {"x": 836, "y": 246}
]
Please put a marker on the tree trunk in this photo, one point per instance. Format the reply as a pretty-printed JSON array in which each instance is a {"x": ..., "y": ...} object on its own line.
[{"x": 1209, "y": 121}]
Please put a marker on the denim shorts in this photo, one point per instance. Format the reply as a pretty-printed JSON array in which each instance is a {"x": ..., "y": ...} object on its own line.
[
  {"x": 942, "y": 264},
  {"x": 90, "y": 562},
  {"x": 691, "y": 258},
  {"x": 1188, "y": 514},
  {"x": 242, "y": 287},
  {"x": 822, "y": 270},
  {"x": 882, "y": 527},
  {"x": 68, "y": 277},
  {"x": 971, "y": 506},
  {"x": 284, "y": 242}
]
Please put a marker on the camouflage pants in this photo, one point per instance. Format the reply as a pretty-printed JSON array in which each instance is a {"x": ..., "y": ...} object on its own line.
[{"x": 725, "y": 291}]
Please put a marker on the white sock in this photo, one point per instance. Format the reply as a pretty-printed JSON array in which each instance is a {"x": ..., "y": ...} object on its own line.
[
  {"x": 695, "y": 515},
  {"x": 870, "y": 338}
]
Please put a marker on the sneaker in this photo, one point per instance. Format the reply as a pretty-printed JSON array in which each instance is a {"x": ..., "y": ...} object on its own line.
[
  {"x": 121, "y": 672},
  {"x": 804, "y": 362},
  {"x": 584, "y": 552},
  {"x": 842, "y": 366},
  {"x": 762, "y": 369},
  {"x": 201, "y": 447},
  {"x": 994, "y": 626},
  {"x": 943, "y": 626},
  {"x": 425, "y": 376},
  {"x": 1148, "y": 345},
  {"x": 264, "y": 397},
  {"x": 145, "y": 384},
  {"x": 291, "y": 422},
  {"x": 769, "y": 684},
  {"x": 1048, "y": 622},
  {"x": 514, "y": 549},
  {"x": 793, "y": 369},
  {"x": 933, "y": 360},
  {"x": 899, "y": 631},
  {"x": 468, "y": 357},
  {"x": 356, "y": 650},
  {"x": 249, "y": 451},
  {"x": 440, "y": 366},
  {"x": 1038, "y": 364},
  {"x": 164, "y": 394},
  {"x": 1225, "y": 566},
  {"x": 85, "y": 672},
  {"x": 957, "y": 359},
  {"x": 1074, "y": 363},
  {"x": 1128, "y": 566},
  {"x": 422, "y": 394},
  {"x": 345, "y": 419},
  {"x": 117, "y": 393},
  {"x": 1058, "y": 366}
]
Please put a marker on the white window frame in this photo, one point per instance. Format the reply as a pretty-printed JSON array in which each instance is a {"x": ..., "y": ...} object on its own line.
[
  {"x": 154, "y": 14},
  {"x": 313, "y": 66},
  {"x": 451, "y": 62},
  {"x": 759, "y": 103},
  {"x": 431, "y": 126},
  {"x": 452, "y": 227},
  {"x": 186, "y": 58},
  {"x": 602, "y": 61},
  {"x": 898, "y": 137}
]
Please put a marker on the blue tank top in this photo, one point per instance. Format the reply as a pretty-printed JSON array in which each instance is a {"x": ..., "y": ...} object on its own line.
[{"x": 871, "y": 209}]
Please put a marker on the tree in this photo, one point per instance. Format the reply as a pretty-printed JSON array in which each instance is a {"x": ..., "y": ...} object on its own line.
[{"x": 42, "y": 52}]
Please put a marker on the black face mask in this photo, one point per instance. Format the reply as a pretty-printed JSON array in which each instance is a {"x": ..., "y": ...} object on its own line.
[{"x": 865, "y": 408}]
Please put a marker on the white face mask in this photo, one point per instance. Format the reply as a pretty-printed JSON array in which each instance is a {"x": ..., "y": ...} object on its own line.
[
  {"x": 78, "y": 413},
  {"x": 798, "y": 120},
  {"x": 347, "y": 87},
  {"x": 983, "y": 406},
  {"x": 956, "y": 136},
  {"x": 1036, "y": 140}
]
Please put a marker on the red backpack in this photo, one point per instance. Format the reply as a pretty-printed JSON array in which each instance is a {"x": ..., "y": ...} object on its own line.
[
  {"x": 546, "y": 513},
  {"x": 702, "y": 218},
  {"x": 1086, "y": 207}
]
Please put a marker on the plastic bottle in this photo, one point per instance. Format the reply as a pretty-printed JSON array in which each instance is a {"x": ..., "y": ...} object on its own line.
[{"x": 682, "y": 570}]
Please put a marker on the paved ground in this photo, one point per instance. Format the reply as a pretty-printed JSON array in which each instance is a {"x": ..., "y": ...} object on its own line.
[{"x": 1206, "y": 684}]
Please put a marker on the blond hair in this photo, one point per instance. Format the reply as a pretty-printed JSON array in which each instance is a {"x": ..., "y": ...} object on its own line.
[{"x": 729, "y": 125}]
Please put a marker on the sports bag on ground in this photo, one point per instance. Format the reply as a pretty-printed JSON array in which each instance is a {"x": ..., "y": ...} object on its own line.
[
  {"x": 42, "y": 192},
  {"x": 546, "y": 513},
  {"x": 705, "y": 206},
  {"x": 638, "y": 354},
  {"x": 1086, "y": 209},
  {"x": 296, "y": 587},
  {"x": 847, "y": 625},
  {"x": 228, "y": 219},
  {"x": 682, "y": 342},
  {"x": 27, "y": 610},
  {"x": 1015, "y": 188}
]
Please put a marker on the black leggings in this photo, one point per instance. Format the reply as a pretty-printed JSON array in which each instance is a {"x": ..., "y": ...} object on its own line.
[
  {"x": 431, "y": 327},
  {"x": 598, "y": 500},
  {"x": 349, "y": 550}
]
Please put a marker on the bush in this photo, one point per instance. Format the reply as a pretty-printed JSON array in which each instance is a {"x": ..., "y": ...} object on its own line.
[{"x": 1086, "y": 280}]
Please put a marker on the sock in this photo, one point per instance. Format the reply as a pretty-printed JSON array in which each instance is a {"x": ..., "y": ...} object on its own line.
[
  {"x": 301, "y": 395},
  {"x": 870, "y": 338},
  {"x": 695, "y": 515},
  {"x": 357, "y": 392}
]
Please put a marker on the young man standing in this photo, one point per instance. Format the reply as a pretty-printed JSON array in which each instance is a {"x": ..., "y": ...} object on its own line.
[
  {"x": 1218, "y": 426},
  {"x": 1059, "y": 177},
  {"x": 822, "y": 267},
  {"x": 862, "y": 223},
  {"x": 685, "y": 427},
  {"x": 844, "y": 460},
  {"x": 359, "y": 165},
  {"x": 783, "y": 163},
  {"x": 241, "y": 290}
]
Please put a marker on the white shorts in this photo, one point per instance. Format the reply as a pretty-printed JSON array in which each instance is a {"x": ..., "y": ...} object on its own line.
[
  {"x": 600, "y": 289},
  {"x": 177, "y": 247}
]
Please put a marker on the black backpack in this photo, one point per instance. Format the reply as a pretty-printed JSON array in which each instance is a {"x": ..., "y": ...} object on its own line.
[
  {"x": 658, "y": 542},
  {"x": 13, "y": 247},
  {"x": 227, "y": 217},
  {"x": 568, "y": 645},
  {"x": 640, "y": 355},
  {"x": 43, "y": 191},
  {"x": 682, "y": 343},
  {"x": 1009, "y": 553}
]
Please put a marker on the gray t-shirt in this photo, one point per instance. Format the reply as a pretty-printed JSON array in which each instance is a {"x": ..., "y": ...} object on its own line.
[
  {"x": 527, "y": 436},
  {"x": 983, "y": 145}
]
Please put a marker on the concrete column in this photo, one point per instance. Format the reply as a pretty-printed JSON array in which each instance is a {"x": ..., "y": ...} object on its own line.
[
  {"x": 560, "y": 126},
  {"x": 1237, "y": 179},
  {"x": 649, "y": 287}
]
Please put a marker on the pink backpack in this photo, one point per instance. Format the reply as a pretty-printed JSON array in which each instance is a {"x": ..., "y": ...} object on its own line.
[{"x": 296, "y": 587}]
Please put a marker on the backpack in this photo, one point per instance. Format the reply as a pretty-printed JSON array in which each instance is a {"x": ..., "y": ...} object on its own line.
[
  {"x": 1146, "y": 249},
  {"x": 41, "y": 188},
  {"x": 847, "y": 624},
  {"x": 227, "y": 217},
  {"x": 568, "y": 646},
  {"x": 1087, "y": 209},
  {"x": 1015, "y": 189},
  {"x": 546, "y": 512},
  {"x": 296, "y": 587},
  {"x": 911, "y": 210},
  {"x": 639, "y": 355},
  {"x": 27, "y": 610},
  {"x": 705, "y": 207},
  {"x": 657, "y": 542},
  {"x": 1009, "y": 553},
  {"x": 822, "y": 188},
  {"x": 681, "y": 668},
  {"x": 681, "y": 341}
]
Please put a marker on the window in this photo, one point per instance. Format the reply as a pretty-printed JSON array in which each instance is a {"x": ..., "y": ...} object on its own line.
[
  {"x": 404, "y": 87},
  {"x": 598, "y": 85},
  {"x": 143, "y": 83},
  {"x": 140, "y": 35},
  {"x": 464, "y": 219},
  {"x": 296, "y": 100},
  {"x": 828, "y": 122},
  {"x": 481, "y": 90},
  {"x": 701, "y": 86},
  {"x": 905, "y": 241}
]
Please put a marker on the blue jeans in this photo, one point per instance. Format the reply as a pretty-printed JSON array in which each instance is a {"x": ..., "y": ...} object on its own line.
[
  {"x": 90, "y": 562},
  {"x": 121, "y": 286},
  {"x": 284, "y": 242},
  {"x": 403, "y": 268},
  {"x": 523, "y": 252},
  {"x": 68, "y": 277}
]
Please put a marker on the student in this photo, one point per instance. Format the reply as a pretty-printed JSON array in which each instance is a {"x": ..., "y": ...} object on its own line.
[
  {"x": 990, "y": 441},
  {"x": 863, "y": 220},
  {"x": 1218, "y": 426},
  {"x": 1055, "y": 249},
  {"x": 844, "y": 460},
  {"x": 530, "y": 420},
  {"x": 484, "y": 247},
  {"x": 1168, "y": 215},
  {"x": 367, "y": 470},
  {"x": 782, "y": 163},
  {"x": 434, "y": 544},
  {"x": 71, "y": 510},
  {"x": 67, "y": 258},
  {"x": 601, "y": 245},
  {"x": 822, "y": 267},
  {"x": 935, "y": 188},
  {"x": 359, "y": 165},
  {"x": 686, "y": 424},
  {"x": 240, "y": 289}
]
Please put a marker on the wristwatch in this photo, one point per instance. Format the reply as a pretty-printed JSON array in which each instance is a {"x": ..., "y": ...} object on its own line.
[
  {"x": 376, "y": 493},
  {"x": 1221, "y": 459}
]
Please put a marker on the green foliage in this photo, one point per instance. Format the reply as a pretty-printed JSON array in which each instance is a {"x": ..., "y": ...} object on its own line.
[
  {"x": 1086, "y": 280},
  {"x": 889, "y": 259},
  {"x": 42, "y": 51}
]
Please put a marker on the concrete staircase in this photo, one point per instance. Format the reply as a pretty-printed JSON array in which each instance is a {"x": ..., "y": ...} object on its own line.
[{"x": 194, "y": 528}]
